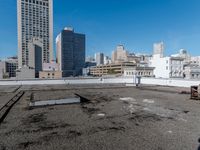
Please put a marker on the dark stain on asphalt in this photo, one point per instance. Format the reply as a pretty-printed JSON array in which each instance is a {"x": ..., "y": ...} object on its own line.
[
  {"x": 70, "y": 134},
  {"x": 186, "y": 111},
  {"x": 140, "y": 117},
  {"x": 51, "y": 126},
  {"x": 107, "y": 129},
  {"x": 89, "y": 109},
  {"x": 2, "y": 147},
  {"x": 25, "y": 145},
  {"x": 35, "y": 118}
]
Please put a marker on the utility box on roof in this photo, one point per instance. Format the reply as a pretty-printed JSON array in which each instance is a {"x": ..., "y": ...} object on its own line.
[{"x": 195, "y": 92}]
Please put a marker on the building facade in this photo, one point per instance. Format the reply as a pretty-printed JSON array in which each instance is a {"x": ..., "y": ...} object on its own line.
[
  {"x": 158, "y": 48},
  {"x": 8, "y": 68},
  {"x": 133, "y": 58},
  {"x": 70, "y": 47},
  {"x": 90, "y": 59},
  {"x": 35, "y": 20},
  {"x": 107, "y": 60},
  {"x": 50, "y": 71},
  {"x": 167, "y": 67},
  {"x": 99, "y": 58},
  {"x": 111, "y": 69},
  {"x": 35, "y": 56},
  {"x": 50, "y": 74},
  {"x": 119, "y": 55},
  {"x": 195, "y": 60},
  {"x": 1, "y": 70},
  {"x": 183, "y": 54},
  {"x": 139, "y": 71},
  {"x": 176, "y": 67},
  {"x": 25, "y": 72},
  {"x": 192, "y": 71}
]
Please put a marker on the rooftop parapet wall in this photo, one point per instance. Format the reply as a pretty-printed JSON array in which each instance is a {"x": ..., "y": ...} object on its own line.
[{"x": 119, "y": 80}]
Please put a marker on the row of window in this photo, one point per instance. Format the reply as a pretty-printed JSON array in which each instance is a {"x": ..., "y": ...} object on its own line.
[
  {"x": 32, "y": 9},
  {"x": 38, "y": 22},
  {"x": 138, "y": 73},
  {"x": 174, "y": 68},
  {"x": 37, "y": 18},
  {"x": 174, "y": 62},
  {"x": 32, "y": 33},
  {"x": 195, "y": 76},
  {"x": 36, "y": 2},
  {"x": 36, "y": 14}
]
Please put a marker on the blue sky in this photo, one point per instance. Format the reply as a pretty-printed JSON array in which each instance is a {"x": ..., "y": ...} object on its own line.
[{"x": 135, "y": 23}]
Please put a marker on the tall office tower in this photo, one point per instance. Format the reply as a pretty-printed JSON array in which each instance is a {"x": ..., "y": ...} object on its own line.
[
  {"x": 70, "y": 47},
  {"x": 35, "y": 20},
  {"x": 158, "y": 48},
  {"x": 119, "y": 55},
  {"x": 99, "y": 58},
  {"x": 35, "y": 56}
]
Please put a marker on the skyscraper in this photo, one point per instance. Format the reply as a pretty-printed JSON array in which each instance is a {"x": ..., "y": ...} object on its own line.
[
  {"x": 35, "y": 20},
  {"x": 158, "y": 48},
  {"x": 119, "y": 55},
  {"x": 35, "y": 56},
  {"x": 70, "y": 47},
  {"x": 99, "y": 58}
]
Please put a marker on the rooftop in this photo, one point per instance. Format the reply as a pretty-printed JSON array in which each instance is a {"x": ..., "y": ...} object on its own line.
[{"x": 116, "y": 117}]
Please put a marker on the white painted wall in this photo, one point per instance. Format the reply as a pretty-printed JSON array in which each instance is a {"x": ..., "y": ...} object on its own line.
[
  {"x": 162, "y": 66},
  {"x": 170, "y": 82},
  {"x": 117, "y": 80}
]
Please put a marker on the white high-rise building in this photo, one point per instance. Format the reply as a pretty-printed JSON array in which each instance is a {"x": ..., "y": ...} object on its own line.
[
  {"x": 158, "y": 49},
  {"x": 35, "y": 20}
]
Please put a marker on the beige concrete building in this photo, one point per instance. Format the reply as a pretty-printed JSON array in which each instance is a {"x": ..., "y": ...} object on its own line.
[
  {"x": 35, "y": 20},
  {"x": 50, "y": 71},
  {"x": 139, "y": 71},
  {"x": 50, "y": 74},
  {"x": 25, "y": 73},
  {"x": 111, "y": 69},
  {"x": 119, "y": 55},
  {"x": 3, "y": 72},
  {"x": 133, "y": 58}
]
